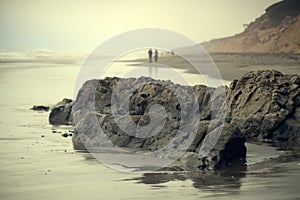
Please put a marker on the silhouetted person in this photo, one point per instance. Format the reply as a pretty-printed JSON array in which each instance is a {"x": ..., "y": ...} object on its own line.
[
  {"x": 150, "y": 55},
  {"x": 155, "y": 55}
]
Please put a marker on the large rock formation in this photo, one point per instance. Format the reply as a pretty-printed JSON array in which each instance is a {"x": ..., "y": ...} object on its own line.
[
  {"x": 94, "y": 99},
  {"x": 276, "y": 31},
  {"x": 262, "y": 106},
  {"x": 265, "y": 105}
]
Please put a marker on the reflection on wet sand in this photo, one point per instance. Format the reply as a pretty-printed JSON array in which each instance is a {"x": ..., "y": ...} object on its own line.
[
  {"x": 220, "y": 181},
  {"x": 226, "y": 180},
  {"x": 231, "y": 181},
  {"x": 217, "y": 181}
]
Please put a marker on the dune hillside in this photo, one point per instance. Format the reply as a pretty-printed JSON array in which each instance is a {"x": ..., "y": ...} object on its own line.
[{"x": 276, "y": 31}]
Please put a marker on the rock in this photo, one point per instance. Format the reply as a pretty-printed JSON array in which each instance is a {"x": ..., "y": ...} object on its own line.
[
  {"x": 40, "y": 108},
  {"x": 88, "y": 120},
  {"x": 229, "y": 150},
  {"x": 61, "y": 113},
  {"x": 265, "y": 107},
  {"x": 65, "y": 135},
  {"x": 261, "y": 106}
]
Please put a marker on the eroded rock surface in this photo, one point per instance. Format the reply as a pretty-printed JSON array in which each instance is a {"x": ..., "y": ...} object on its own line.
[
  {"x": 265, "y": 106},
  {"x": 261, "y": 107},
  {"x": 93, "y": 110}
]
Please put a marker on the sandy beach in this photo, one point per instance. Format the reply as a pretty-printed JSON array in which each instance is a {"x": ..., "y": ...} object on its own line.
[
  {"x": 143, "y": 100},
  {"x": 233, "y": 65},
  {"x": 38, "y": 163}
]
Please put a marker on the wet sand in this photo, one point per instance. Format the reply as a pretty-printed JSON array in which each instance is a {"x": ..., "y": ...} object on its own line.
[{"x": 39, "y": 164}]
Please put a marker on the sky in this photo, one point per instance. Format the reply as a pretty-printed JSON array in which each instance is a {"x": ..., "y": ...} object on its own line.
[{"x": 83, "y": 25}]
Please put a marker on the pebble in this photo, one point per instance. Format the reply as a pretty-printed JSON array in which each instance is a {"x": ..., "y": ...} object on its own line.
[{"x": 65, "y": 135}]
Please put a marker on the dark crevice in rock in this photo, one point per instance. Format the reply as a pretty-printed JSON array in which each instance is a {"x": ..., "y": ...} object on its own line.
[{"x": 234, "y": 153}]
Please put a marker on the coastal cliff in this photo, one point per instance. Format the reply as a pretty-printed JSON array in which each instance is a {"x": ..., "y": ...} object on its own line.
[{"x": 276, "y": 31}]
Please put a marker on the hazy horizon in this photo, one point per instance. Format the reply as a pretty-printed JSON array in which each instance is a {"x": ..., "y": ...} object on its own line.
[{"x": 83, "y": 25}]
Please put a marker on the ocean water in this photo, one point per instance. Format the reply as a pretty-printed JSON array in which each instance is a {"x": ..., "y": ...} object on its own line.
[{"x": 36, "y": 162}]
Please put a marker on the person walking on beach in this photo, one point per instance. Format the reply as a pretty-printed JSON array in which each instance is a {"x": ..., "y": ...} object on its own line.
[
  {"x": 150, "y": 55},
  {"x": 155, "y": 55}
]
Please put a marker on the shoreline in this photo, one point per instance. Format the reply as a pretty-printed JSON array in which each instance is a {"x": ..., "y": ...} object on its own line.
[{"x": 232, "y": 65}]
